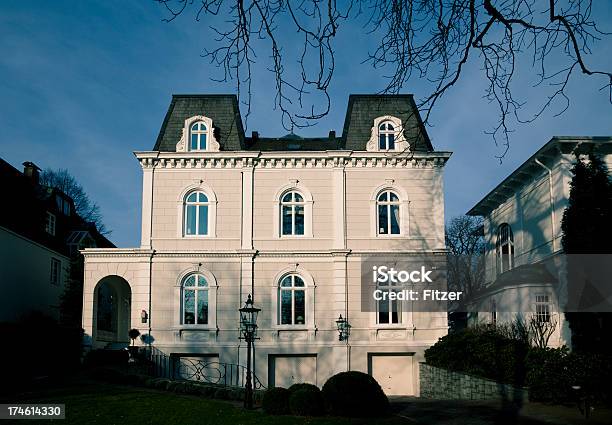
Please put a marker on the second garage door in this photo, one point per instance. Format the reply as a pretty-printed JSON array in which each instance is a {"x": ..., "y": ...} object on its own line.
[
  {"x": 394, "y": 373},
  {"x": 288, "y": 370}
]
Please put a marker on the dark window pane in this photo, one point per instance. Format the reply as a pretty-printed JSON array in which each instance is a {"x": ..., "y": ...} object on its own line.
[
  {"x": 286, "y": 281},
  {"x": 203, "y": 141},
  {"x": 299, "y": 220},
  {"x": 300, "y": 307},
  {"x": 285, "y": 312},
  {"x": 383, "y": 225},
  {"x": 189, "y": 306},
  {"x": 391, "y": 138},
  {"x": 190, "y": 225},
  {"x": 298, "y": 282},
  {"x": 287, "y": 228},
  {"x": 202, "y": 307},
  {"x": 382, "y": 142},
  {"x": 203, "y": 220},
  {"x": 194, "y": 141},
  {"x": 395, "y": 220}
]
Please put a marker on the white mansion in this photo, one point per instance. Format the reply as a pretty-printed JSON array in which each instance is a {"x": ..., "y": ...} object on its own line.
[{"x": 287, "y": 220}]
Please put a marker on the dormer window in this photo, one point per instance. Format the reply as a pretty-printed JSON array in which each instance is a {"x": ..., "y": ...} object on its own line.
[
  {"x": 386, "y": 136},
  {"x": 199, "y": 136}
]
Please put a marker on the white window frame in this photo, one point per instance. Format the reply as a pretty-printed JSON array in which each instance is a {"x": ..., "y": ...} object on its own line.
[
  {"x": 292, "y": 290},
  {"x": 401, "y": 144},
  {"x": 293, "y": 204},
  {"x": 197, "y": 291},
  {"x": 499, "y": 247},
  {"x": 50, "y": 223},
  {"x": 404, "y": 211},
  {"x": 277, "y": 224},
  {"x": 199, "y": 133},
  {"x": 309, "y": 295},
  {"x": 543, "y": 308},
  {"x": 213, "y": 288},
  {"x": 198, "y": 205},
  {"x": 182, "y": 211},
  {"x": 184, "y": 144},
  {"x": 55, "y": 275},
  {"x": 399, "y": 304}
]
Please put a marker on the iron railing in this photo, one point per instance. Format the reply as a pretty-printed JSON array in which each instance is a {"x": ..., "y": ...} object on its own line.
[{"x": 161, "y": 365}]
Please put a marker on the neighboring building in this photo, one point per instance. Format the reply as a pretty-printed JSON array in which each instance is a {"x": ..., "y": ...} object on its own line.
[
  {"x": 525, "y": 273},
  {"x": 288, "y": 220},
  {"x": 38, "y": 225}
]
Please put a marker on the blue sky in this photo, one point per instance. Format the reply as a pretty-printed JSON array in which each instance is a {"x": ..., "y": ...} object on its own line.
[{"x": 85, "y": 83}]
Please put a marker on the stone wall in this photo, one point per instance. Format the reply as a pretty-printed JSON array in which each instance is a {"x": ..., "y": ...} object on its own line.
[{"x": 444, "y": 384}]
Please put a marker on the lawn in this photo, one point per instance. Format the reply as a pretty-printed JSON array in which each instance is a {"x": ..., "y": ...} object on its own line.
[{"x": 90, "y": 402}]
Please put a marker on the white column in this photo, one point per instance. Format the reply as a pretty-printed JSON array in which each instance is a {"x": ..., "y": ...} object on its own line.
[
  {"x": 147, "y": 206},
  {"x": 246, "y": 235},
  {"x": 339, "y": 208}
]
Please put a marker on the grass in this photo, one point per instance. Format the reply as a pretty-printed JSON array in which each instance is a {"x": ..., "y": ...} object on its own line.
[{"x": 90, "y": 402}]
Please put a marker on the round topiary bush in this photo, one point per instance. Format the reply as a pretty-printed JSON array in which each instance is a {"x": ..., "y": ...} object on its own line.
[
  {"x": 276, "y": 401},
  {"x": 354, "y": 394},
  {"x": 306, "y": 401},
  {"x": 296, "y": 387}
]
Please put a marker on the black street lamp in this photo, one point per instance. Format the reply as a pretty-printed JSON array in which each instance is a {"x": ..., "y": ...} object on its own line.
[
  {"x": 344, "y": 329},
  {"x": 248, "y": 332}
]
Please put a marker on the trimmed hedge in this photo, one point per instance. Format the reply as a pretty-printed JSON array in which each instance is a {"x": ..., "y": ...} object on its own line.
[
  {"x": 276, "y": 401},
  {"x": 482, "y": 352},
  {"x": 306, "y": 401},
  {"x": 553, "y": 371},
  {"x": 354, "y": 394},
  {"x": 550, "y": 373}
]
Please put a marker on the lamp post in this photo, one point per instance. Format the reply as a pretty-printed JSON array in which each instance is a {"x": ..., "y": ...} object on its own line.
[
  {"x": 248, "y": 332},
  {"x": 344, "y": 329}
]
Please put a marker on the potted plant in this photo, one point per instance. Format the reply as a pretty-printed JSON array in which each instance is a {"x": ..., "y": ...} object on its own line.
[{"x": 133, "y": 334}]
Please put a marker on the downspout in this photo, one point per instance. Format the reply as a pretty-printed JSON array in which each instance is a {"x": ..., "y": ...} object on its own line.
[
  {"x": 552, "y": 203},
  {"x": 152, "y": 250}
]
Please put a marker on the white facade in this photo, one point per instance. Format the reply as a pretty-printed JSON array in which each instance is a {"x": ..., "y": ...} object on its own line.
[
  {"x": 243, "y": 251},
  {"x": 530, "y": 202}
]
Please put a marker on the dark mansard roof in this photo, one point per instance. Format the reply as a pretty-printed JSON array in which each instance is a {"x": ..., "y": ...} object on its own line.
[{"x": 229, "y": 132}]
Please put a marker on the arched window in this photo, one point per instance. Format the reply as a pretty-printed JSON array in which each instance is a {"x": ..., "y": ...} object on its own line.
[
  {"x": 388, "y": 213},
  {"x": 292, "y": 214},
  {"x": 292, "y": 300},
  {"x": 195, "y": 300},
  {"x": 386, "y": 136},
  {"x": 199, "y": 134},
  {"x": 504, "y": 248},
  {"x": 196, "y": 208}
]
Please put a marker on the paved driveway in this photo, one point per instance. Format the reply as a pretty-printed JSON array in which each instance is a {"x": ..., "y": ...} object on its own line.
[{"x": 457, "y": 412}]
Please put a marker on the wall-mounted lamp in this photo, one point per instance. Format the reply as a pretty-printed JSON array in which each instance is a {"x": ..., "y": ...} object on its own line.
[
  {"x": 344, "y": 329},
  {"x": 144, "y": 316}
]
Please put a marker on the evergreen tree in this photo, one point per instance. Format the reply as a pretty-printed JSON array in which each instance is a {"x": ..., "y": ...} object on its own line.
[{"x": 587, "y": 229}]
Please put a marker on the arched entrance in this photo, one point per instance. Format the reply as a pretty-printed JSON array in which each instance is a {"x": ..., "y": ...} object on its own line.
[{"x": 112, "y": 310}]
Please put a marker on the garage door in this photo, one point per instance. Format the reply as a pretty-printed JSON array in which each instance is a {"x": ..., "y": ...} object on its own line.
[
  {"x": 288, "y": 370},
  {"x": 393, "y": 372}
]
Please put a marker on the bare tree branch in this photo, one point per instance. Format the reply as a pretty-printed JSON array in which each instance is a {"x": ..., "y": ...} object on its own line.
[{"x": 429, "y": 40}]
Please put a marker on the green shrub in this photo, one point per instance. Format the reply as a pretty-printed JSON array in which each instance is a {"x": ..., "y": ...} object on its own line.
[
  {"x": 489, "y": 352},
  {"x": 306, "y": 401},
  {"x": 354, "y": 394},
  {"x": 553, "y": 371},
  {"x": 276, "y": 401},
  {"x": 207, "y": 391},
  {"x": 296, "y": 387},
  {"x": 161, "y": 383}
]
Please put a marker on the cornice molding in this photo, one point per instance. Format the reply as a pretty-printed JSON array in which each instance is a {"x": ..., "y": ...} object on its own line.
[
  {"x": 282, "y": 160},
  {"x": 122, "y": 252}
]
